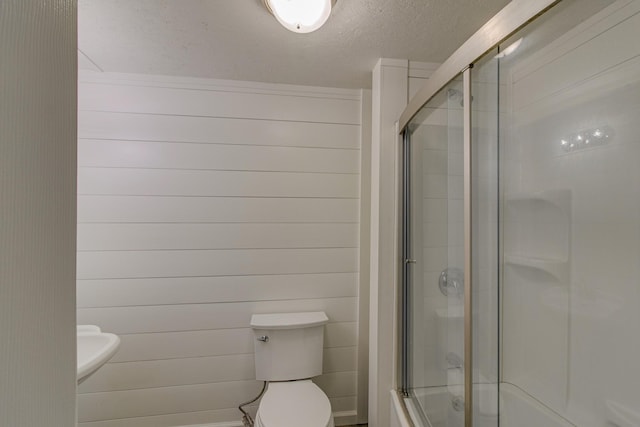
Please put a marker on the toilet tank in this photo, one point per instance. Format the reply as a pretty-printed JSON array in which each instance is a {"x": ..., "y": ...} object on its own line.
[{"x": 288, "y": 346}]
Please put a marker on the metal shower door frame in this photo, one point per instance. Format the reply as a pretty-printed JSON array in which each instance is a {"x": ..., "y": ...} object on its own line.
[{"x": 509, "y": 20}]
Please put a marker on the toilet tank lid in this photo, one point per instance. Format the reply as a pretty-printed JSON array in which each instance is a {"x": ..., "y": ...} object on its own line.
[{"x": 288, "y": 320}]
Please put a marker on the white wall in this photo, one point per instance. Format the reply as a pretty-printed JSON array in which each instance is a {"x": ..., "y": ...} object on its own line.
[
  {"x": 393, "y": 81},
  {"x": 389, "y": 95},
  {"x": 419, "y": 73},
  {"x": 199, "y": 203},
  {"x": 37, "y": 212},
  {"x": 365, "y": 241}
]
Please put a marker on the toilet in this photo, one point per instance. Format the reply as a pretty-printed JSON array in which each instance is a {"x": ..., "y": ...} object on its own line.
[{"x": 288, "y": 353}]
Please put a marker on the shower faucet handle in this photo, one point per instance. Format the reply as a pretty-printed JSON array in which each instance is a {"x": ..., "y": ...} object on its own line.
[
  {"x": 451, "y": 282},
  {"x": 454, "y": 360}
]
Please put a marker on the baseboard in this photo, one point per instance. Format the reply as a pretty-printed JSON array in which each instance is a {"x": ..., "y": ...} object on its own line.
[
  {"x": 345, "y": 418},
  {"x": 342, "y": 418},
  {"x": 225, "y": 424}
]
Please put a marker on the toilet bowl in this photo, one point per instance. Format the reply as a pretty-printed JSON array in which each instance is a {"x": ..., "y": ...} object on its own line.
[
  {"x": 294, "y": 404},
  {"x": 288, "y": 352}
]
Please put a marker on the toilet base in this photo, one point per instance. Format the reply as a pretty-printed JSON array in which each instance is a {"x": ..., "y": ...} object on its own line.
[{"x": 294, "y": 404}]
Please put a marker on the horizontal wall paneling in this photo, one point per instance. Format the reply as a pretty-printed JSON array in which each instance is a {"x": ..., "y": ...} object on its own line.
[
  {"x": 185, "y": 290},
  {"x": 181, "y": 155},
  {"x": 190, "y": 317},
  {"x": 127, "y": 237},
  {"x": 197, "y": 370},
  {"x": 198, "y": 263},
  {"x": 161, "y": 209},
  {"x": 117, "y": 126},
  {"x": 215, "y": 103},
  {"x": 202, "y": 343},
  {"x": 200, "y": 203},
  {"x": 189, "y": 183}
]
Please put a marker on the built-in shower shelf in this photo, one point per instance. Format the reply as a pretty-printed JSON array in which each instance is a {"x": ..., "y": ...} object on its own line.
[
  {"x": 555, "y": 267},
  {"x": 538, "y": 224}
]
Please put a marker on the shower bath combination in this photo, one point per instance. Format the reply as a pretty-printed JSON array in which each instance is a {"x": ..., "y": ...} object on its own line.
[{"x": 521, "y": 224}]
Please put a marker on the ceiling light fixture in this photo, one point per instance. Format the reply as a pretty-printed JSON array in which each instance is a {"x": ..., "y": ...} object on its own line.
[{"x": 300, "y": 16}]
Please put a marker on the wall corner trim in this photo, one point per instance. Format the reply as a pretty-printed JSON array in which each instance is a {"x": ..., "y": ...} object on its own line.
[
  {"x": 389, "y": 62},
  {"x": 389, "y": 97}
]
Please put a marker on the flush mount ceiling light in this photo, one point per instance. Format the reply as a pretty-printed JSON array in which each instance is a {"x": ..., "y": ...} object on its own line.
[{"x": 300, "y": 16}]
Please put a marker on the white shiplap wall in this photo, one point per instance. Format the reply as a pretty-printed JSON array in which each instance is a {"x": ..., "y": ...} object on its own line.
[{"x": 199, "y": 203}]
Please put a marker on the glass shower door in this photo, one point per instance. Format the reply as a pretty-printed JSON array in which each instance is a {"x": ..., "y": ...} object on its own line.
[
  {"x": 551, "y": 242},
  {"x": 434, "y": 249},
  {"x": 571, "y": 229}
]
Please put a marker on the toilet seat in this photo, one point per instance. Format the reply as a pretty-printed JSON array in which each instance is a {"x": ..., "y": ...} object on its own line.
[{"x": 294, "y": 404}]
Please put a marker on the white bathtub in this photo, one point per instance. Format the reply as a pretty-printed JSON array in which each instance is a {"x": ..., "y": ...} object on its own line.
[
  {"x": 517, "y": 408},
  {"x": 521, "y": 410}
]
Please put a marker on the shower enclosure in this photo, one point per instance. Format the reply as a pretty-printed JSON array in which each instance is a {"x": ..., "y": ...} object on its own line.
[{"x": 521, "y": 224}]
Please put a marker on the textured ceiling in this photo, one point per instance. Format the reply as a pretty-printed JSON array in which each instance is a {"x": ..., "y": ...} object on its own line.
[{"x": 240, "y": 40}]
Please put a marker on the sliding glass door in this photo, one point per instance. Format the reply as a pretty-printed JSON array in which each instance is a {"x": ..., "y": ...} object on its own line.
[
  {"x": 434, "y": 259},
  {"x": 570, "y": 97},
  {"x": 521, "y": 296}
]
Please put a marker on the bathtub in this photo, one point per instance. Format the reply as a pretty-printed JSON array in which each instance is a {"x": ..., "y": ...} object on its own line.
[
  {"x": 518, "y": 409},
  {"x": 521, "y": 410}
]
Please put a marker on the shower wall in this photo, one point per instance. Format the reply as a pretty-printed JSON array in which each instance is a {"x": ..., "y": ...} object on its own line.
[
  {"x": 571, "y": 291},
  {"x": 555, "y": 194}
]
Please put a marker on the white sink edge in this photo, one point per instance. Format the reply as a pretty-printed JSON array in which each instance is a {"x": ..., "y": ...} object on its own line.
[
  {"x": 88, "y": 328},
  {"x": 100, "y": 357}
]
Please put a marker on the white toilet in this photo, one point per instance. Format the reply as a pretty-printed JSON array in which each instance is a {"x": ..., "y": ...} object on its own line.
[{"x": 288, "y": 352}]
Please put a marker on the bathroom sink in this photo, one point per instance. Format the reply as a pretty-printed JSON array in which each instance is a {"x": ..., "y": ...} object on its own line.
[{"x": 95, "y": 348}]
